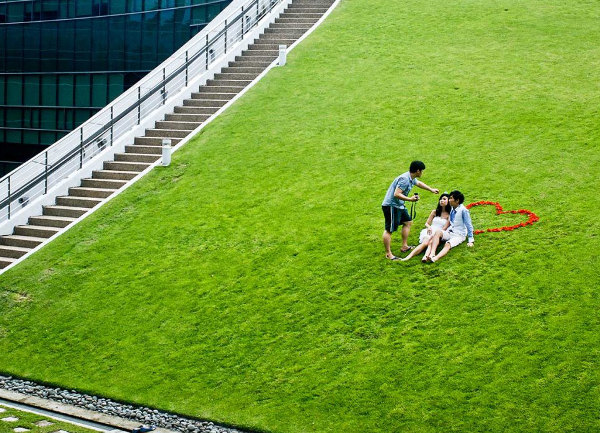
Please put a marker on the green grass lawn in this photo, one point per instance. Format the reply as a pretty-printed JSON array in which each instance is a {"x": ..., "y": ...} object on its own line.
[
  {"x": 34, "y": 423},
  {"x": 246, "y": 283}
]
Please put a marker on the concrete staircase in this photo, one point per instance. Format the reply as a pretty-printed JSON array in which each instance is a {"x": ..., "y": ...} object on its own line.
[{"x": 300, "y": 16}]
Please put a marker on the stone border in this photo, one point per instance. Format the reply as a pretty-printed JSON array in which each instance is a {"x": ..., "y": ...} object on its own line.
[{"x": 101, "y": 410}]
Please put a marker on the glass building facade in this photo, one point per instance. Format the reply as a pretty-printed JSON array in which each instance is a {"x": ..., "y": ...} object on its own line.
[{"x": 61, "y": 61}]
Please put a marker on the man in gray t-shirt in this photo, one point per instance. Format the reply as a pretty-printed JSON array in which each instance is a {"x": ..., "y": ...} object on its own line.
[{"x": 393, "y": 207}]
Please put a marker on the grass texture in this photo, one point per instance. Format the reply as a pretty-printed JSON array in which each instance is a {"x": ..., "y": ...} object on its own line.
[{"x": 246, "y": 283}]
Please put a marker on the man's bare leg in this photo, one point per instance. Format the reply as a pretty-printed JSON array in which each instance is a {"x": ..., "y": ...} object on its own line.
[
  {"x": 405, "y": 232},
  {"x": 387, "y": 242}
]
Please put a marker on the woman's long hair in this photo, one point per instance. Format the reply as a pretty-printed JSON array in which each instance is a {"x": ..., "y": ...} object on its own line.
[{"x": 440, "y": 208}]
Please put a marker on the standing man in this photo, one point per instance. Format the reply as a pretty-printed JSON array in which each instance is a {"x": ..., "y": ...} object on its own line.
[
  {"x": 460, "y": 228},
  {"x": 393, "y": 207}
]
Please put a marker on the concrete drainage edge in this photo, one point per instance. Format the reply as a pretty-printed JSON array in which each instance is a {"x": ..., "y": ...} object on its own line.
[{"x": 101, "y": 410}]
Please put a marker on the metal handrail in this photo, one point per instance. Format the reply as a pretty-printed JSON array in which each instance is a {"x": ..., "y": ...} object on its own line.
[{"x": 33, "y": 173}]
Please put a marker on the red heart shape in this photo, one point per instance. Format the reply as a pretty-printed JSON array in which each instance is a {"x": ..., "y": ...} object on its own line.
[{"x": 532, "y": 217}]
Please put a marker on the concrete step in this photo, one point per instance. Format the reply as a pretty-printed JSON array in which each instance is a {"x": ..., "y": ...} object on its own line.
[
  {"x": 218, "y": 96},
  {"x": 227, "y": 83},
  {"x": 150, "y": 150},
  {"x": 181, "y": 125},
  {"x": 6, "y": 261},
  {"x": 125, "y": 166},
  {"x": 195, "y": 110},
  {"x": 50, "y": 221},
  {"x": 304, "y": 15},
  {"x": 285, "y": 31},
  {"x": 295, "y": 26},
  {"x": 265, "y": 48},
  {"x": 217, "y": 88},
  {"x": 313, "y": 2},
  {"x": 98, "y": 193},
  {"x": 187, "y": 117},
  {"x": 105, "y": 183},
  {"x": 288, "y": 20},
  {"x": 305, "y": 9},
  {"x": 242, "y": 70},
  {"x": 152, "y": 141},
  {"x": 254, "y": 62},
  {"x": 13, "y": 252},
  {"x": 64, "y": 211},
  {"x": 135, "y": 157},
  {"x": 167, "y": 133},
  {"x": 271, "y": 44},
  {"x": 87, "y": 202},
  {"x": 112, "y": 174},
  {"x": 260, "y": 51},
  {"x": 277, "y": 34},
  {"x": 202, "y": 103},
  {"x": 225, "y": 77},
  {"x": 36, "y": 231},
  {"x": 21, "y": 241}
]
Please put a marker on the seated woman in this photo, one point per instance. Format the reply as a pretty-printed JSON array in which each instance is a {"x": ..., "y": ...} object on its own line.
[{"x": 439, "y": 219}]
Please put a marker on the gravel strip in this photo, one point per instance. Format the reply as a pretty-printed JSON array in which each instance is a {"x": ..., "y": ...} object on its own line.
[{"x": 143, "y": 415}]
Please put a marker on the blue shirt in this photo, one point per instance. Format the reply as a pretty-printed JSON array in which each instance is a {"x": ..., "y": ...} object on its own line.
[
  {"x": 405, "y": 183},
  {"x": 460, "y": 222}
]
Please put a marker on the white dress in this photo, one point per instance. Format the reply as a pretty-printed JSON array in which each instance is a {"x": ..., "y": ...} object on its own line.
[{"x": 438, "y": 223}]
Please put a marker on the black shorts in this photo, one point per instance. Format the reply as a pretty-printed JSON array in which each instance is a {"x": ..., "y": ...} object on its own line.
[{"x": 394, "y": 217}]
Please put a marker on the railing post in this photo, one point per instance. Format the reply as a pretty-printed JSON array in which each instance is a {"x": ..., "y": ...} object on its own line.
[
  {"x": 186, "y": 68},
  {"x": 164, "y": 90},
  {"x": 139, "y": 110},
  {"x": 8, "y": 197},
  {"x": 81, "y": 147},
  {"x": 243, "y": 22},
  {"x": 46, "y": 173},
  {"x": 257, "y": 12},
  {"x": 206, "y": 51},
  {"x": 111, "y": 125},
  {"x": 225, "y": 37}
]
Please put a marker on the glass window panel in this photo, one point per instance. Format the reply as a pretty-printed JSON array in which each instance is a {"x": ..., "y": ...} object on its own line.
[
  {"x": 116, "y": 86},
  {"x": 31, "y": 47},
  {"x": 15, "y": 12},
  {"x": 47, "y": 138},
  {"x": 32, "y": 89},
  {"x": 116, "y": 52},
  {"x": 48, "y": 90},
  {"x": 49, "y": 46},
  {"x": 151, "y": 5},
  {"x": 50, "y": 10},
  {"x": 14, "y": 117},
  {"x": 83, "y": 45},
  {"x": 133, "y": 42},
  {"x": 65, "y": 90},
  {"x": 14, "y": 90},
  {"x": 14, "y": 48},
  {"x": 31, "y": 137},
  {"x": 101, "y": 36},
  {"x": 48, "y": 119},
  {"x": 66, "y": 45},
  {"x": 2, "y": 95},
  {"x": 99, "y": 90},
  {"x": 117, "y": 6},
  {"x": 13, "y": 137},
  {"x": 81, "y": 116},
  {"x": 83, "y": 8},
  {"x": 82, "y": 90},
  {"x": 165, "y": 39},
  {"x": 149, "y": 40}
]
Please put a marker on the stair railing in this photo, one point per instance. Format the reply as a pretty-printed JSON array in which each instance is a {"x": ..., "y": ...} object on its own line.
[{"x": 37, "y": 176}]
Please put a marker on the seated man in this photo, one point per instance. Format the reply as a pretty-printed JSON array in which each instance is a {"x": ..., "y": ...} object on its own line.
[{"x": 460, "y": 227}]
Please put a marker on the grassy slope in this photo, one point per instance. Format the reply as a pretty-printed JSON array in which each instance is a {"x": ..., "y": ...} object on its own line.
[{"x": 246, "y": 283}]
